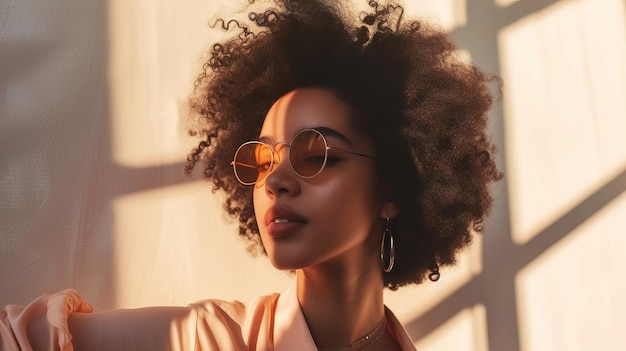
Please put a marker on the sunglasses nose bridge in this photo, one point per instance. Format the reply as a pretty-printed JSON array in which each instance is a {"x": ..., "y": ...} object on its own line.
[{"x": 277, "y": 149}]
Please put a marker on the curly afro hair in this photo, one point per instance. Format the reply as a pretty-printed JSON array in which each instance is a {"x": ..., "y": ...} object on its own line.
[{"x": 425, "y": 111}]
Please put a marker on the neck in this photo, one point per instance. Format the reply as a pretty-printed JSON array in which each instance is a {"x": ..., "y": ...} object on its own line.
[{"x": 341, "y": 302}]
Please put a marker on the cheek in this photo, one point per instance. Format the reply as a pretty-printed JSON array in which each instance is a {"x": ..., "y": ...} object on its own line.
[
  {"x": 259, "y": 201},
  {"x": 350, "y": 200}
]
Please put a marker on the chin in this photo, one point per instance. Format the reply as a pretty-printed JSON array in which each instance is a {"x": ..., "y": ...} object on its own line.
[{"x": 283, "y": 265}]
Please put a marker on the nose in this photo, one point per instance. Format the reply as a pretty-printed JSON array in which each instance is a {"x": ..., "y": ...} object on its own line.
[{"x": 282, "y": 180}]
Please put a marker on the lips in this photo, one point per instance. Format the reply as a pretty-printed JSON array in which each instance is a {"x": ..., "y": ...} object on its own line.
[{"x": 282, "y": 221}]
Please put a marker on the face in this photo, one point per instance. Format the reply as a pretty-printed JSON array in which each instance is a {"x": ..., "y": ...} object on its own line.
[{"x": 306, "y": 222}]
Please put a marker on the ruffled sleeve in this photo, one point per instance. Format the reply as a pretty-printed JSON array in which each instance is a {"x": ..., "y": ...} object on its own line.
[
  {"x": 42, "y": 325},
  {"x": 56, "y": 322}
]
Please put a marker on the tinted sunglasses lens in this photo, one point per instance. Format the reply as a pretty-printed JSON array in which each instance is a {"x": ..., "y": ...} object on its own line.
[
  {"x": 307, "y": 153},
  {"x": 253, "y": 161}
]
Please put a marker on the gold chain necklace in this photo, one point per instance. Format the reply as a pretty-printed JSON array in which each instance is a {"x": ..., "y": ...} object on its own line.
[{"x": 366, "y": 341}]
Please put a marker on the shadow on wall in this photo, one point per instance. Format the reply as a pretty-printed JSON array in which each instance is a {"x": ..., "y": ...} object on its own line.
[{"x": 494, "y": 288}]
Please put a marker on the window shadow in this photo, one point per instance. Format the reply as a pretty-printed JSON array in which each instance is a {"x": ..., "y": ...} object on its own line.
[{"x": 503, "y": 259}]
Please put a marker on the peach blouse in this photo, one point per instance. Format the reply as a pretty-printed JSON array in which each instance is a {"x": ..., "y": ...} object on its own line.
[{"x": 272, "y": 322}]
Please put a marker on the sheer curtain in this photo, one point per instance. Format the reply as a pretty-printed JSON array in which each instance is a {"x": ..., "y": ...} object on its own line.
[{"x": 93, "y": 143}]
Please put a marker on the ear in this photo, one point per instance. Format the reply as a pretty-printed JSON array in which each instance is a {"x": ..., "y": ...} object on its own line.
[{"x": 389, "y": 209}]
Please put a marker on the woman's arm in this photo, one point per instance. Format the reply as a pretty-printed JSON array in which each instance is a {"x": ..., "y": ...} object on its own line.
[
  {"x": 63, "y": 321},
  {"x": 153, "y": 328}
]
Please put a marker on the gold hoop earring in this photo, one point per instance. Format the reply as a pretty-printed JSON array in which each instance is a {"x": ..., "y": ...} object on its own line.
[
  {"x": 434, "y": 273},
  {"x": 392, "y": 249}
]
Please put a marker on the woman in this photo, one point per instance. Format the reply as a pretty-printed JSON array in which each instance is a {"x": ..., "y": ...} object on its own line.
[{"x": 353, "y": 154}]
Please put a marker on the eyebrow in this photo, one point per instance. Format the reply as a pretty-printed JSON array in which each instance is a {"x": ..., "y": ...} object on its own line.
[
  {"x": 325, "y": 131},
  {"x": 329, "y": 132}
]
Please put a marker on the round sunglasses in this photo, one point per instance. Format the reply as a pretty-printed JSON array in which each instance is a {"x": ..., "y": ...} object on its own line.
[{"x": 308, "y": 154}]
